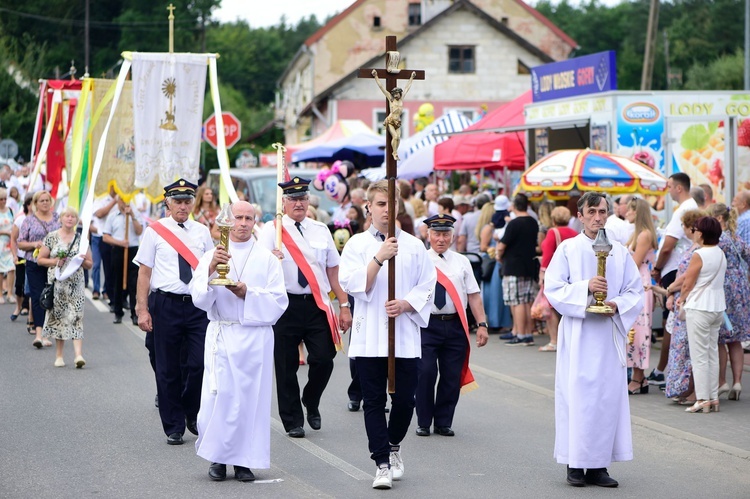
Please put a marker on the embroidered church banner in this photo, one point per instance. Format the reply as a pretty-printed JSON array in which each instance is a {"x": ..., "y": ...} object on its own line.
[{"x": 168, "y": 92}]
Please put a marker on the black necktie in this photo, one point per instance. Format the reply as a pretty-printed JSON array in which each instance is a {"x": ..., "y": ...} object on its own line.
[
  {"x": 186, "y": 273},
  {"x": 440, "y": 293},
  {"x": 301, "y": 279},
  {"x": 381, "y": 236}
]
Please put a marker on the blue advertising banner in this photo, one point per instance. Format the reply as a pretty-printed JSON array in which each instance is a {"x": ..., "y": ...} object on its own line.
[{"x": 589, "y": 74}]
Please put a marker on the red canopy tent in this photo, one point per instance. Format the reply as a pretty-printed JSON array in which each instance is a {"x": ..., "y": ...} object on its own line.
[{"x": 492, "y": 151}]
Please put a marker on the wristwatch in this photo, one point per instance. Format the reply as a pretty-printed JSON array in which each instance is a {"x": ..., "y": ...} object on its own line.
[
  {"x": 482, "y": 324},
  {"x": 346, "y": 304}
]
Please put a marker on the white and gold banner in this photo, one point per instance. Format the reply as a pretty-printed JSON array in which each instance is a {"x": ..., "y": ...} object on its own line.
[{"x": 168, "y": 92}]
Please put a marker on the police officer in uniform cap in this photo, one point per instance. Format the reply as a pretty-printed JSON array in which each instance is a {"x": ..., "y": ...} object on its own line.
[
  {"x": 175, "y": 329},
  {"x": 303, "y": 320},
  {"x": 444, "y": 340}
]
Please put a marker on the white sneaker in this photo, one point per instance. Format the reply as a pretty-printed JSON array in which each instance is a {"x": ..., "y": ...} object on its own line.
[
  {"x": 383, "y": 478},
  {"x": 397, "y": 465}
]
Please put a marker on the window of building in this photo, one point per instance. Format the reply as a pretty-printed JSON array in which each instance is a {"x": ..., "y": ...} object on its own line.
[
  {"x": 470, "y": 113},
  {"x": 376, "y": 21},
  {"x": 461, "y": 59},
  {"x": 415, "y": 14},
  {"x": 523, "y": 69}
]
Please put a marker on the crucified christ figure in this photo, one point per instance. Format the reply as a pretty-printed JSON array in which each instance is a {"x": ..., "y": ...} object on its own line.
[{"x": 393, "y": 121}]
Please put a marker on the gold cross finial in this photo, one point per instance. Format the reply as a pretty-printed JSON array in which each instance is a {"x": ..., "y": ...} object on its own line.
[{"x": 171, "y": 28}]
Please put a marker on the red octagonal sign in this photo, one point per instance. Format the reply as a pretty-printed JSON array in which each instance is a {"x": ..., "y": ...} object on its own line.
[{"x": 232, "y": 130}]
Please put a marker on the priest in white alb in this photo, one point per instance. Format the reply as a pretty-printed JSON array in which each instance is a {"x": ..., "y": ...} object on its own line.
[
  {"x": 234, "y": 421},
  {"x": 592, "y": 412},
  {"x": 363, "y": 273}
]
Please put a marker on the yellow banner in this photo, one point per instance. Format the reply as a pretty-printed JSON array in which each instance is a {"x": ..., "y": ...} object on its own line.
[{"x": 118, "y": 165}]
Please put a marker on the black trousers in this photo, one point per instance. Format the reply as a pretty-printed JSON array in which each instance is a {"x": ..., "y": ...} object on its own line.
[
  {"x": 355, "y": 390},
  {"x": 177, "y": 325},
  {"x": 373, "y": 376},
  {"x": 444, "y": 350},
  {"x": 666, "y": 280},
  {"x": 118, "y": 255},
  {"x": 105, "y": 250},
  {"x": 36, "y": 276},
  {"x": 302, "y": 321}
]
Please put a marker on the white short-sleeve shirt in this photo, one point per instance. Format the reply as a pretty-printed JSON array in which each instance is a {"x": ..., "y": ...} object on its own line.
[
  {"x": 163, "y": 259},
  {"x": 317, "y": 235}
]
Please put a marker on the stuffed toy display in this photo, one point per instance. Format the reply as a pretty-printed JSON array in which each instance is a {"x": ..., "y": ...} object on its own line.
[{"x": 333, "y": 181}]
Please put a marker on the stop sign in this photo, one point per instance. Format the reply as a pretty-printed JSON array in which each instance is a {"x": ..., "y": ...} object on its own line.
[{"x": 232, "y": 130}]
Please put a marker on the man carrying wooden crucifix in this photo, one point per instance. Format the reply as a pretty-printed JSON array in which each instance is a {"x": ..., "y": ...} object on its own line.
[
  {"x": 363, "y": 275},
  {"x": 396, "y": 100}
]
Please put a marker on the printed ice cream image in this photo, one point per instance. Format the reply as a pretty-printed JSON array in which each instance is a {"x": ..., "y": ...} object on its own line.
[
  {"x": 700, "y": 153},
  {"x": 743, "y": 155}
]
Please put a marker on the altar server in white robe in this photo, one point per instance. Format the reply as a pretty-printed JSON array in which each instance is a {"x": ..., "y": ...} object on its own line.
[
  {"x": 363, "y": 273},
  {"x": 234, "y": 421},
  {"x": 592, "y": 413}
]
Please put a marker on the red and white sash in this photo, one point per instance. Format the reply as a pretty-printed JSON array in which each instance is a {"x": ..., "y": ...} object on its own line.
[
  {"x": 175, "y": 242},
  {"x": 467, "y": 378},
  {"x": 303, "y": 255}
]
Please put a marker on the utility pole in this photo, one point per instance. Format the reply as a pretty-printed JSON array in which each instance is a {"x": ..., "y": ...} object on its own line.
[{"x": 648, "y": 58}]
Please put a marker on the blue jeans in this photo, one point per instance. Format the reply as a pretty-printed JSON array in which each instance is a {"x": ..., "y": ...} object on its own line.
[{"x": 96, "y": 269}]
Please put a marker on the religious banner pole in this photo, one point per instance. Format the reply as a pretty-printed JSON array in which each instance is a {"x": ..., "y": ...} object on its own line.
[
  {"x": 394, "y": 106},
  {"x": 280, "y": 177},
  {"x": 170, "y": 8},
  {"x": 125, "y": 252}
]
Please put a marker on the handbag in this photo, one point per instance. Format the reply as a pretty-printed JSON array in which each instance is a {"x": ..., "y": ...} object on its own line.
[
  {"x": 541, "y": 309},
  {"x": 47, "y": 298},
  {"x": 488, "y": 267}
]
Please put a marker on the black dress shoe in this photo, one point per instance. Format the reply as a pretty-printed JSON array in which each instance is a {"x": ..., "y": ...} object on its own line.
[
  {"x": 135, "y": 320},
  {"x": 423, "y": 431},
  {"x": 444, "y": 431},
  {"x": 175, "y": 439},
  {"x": 243, "y": 474},
  {"x": 600, "y": 477},
  {"x": 156, "y": 400},
  {"x": 118, "y": 319},
  {"x": 313, "y": 417},
  {"x": 217, "y": 472},
  {"x": 192, "y": 425},
  {"x": 353, "y": 406},
  {"x": 297, "y": 432},
  {"x": 575, "y": 477}
]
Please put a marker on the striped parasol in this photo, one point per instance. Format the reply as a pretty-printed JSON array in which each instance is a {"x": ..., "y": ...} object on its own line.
[{"x": 563, "y": 171}]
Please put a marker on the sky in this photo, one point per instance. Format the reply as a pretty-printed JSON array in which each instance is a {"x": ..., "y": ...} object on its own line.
[
  {"x": 272, "y": 10},
  {"x": 294, "y": 10}
]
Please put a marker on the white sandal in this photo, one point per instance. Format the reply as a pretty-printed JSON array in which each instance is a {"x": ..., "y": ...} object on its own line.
[{"x": 549, "y": 347}]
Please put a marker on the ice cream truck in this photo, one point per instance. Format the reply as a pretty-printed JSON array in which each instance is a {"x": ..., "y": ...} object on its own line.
[{"x": 705, "y": 134}]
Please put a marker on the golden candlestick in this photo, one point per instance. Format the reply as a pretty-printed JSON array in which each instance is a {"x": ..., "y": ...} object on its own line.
[
  {"x": 225, "y": 221},
  {"x": 602, "y": 247}
]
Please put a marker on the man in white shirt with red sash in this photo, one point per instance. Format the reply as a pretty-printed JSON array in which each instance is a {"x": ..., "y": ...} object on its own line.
[
  {"x": 364, "y": 275},
  {"x": 445, "y": 340},
  {"x": 175, "y": 328},
  {"x": 310, "y": 262}
]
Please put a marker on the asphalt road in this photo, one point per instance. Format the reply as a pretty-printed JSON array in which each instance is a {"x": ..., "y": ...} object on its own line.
[{"x": 94, "y": 432}]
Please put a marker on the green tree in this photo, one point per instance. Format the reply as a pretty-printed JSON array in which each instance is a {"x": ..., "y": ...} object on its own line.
[{"x": 724, "y": 73}]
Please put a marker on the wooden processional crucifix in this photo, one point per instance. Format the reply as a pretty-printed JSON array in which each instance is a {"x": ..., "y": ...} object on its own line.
[{"x": 392, "y": 125}]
